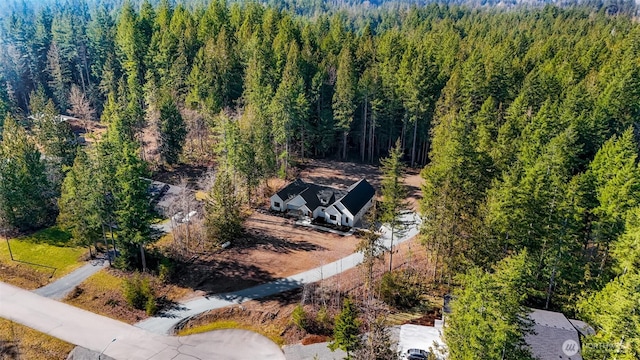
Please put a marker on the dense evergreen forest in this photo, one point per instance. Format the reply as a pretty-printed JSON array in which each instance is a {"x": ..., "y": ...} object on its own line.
[{"x": 525, "y": 121}]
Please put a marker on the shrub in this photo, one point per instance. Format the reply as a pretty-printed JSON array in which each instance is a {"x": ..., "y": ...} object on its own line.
[
  {"x": 323, "y": 319},
  {"x": 139, "y": 294},
  {"x": 165, "y": 269},
  {"x": 150, "y": 307},
  {"x": 299, "y": 317},
  {"x": 397, "y": 289}
]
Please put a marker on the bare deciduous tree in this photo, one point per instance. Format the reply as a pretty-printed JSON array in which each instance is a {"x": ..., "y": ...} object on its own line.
[
  {"x": 81, "y": 106},
  {"x": 188, "y": 231}
]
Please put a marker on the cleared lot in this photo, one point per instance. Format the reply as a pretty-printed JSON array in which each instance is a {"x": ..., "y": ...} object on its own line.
[{"x": 273, "y": 247}]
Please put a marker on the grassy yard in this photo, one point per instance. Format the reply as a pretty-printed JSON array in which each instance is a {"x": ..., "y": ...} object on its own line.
[
  {"x": 270, "y": 331},
  {"x": 21, "y": 342},
  {"x": 49, "y": 247}
]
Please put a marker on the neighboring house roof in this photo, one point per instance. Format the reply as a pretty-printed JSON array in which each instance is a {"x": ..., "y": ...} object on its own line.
[
  {"x": 552, "y": 334},
  {"x": 583, "y": 328},
  {"x": 292, "y": 190},
  {"x": 359, "y": 194}
]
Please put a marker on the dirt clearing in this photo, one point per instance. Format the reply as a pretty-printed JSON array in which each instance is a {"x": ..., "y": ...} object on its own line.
[
  {"x": 271, "y": 247},
  {"x": 343, "y": 174},
  {"x": 274, "y": 314}
]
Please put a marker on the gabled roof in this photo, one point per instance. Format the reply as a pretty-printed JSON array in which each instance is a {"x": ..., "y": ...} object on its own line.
[
  {"x": 583, "y": 328},
  {"x": 316, "y": 195},
  {"x": 359, "y": 194},
  {"x": 552, "y": 330},
  {"x": 310, "y": 196},
  {"x": 292, "y": 190}
]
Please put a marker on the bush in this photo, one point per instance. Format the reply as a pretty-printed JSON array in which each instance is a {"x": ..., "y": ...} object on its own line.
[
  {"x": 165, "y": 269},
  {"x": 150, "y": 307},
  {"x": 323, "y": 319},
  {"x": 139, "y": 294},
  {"x": 399, "y": 290},
  {"x": 299, "y": 317}
]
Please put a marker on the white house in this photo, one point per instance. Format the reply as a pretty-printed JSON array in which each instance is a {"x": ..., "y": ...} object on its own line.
[
  {"x": 349, "y": 209},
  {"x": 335, "y": 206},
  {"x": 280, "y": 199}
]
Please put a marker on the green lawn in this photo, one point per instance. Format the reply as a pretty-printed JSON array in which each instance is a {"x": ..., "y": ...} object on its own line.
[{"x": 49, "y": 247}]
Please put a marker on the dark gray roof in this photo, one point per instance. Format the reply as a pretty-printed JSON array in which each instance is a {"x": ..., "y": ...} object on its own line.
[
  {"x": 583, "y": 328},
  {"x": 317, "y": 195},
  {"x": 292, "y": 190},
  {"x": 551, "y": 331},
  {"x": 310, "y": 195},
  {"x": 359, "y": 194}
]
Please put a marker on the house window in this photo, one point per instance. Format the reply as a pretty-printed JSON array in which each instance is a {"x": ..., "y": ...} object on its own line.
[
  {"x": 276, "y": 204},
  {"x": 332, "y": 217}
]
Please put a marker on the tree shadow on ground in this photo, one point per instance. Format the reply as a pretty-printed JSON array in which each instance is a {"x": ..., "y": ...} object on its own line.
[
  {"x": 261, "y": 292},
  {"x": 219, "y": 276},
  {"x": 256, "y": 240},
  {"x": 8, "y": 350},
  {"x": 51, "y": 236}
]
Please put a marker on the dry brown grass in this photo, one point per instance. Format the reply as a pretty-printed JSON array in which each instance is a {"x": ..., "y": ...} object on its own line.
[
  {"x": 22, "y": 275},
  {"x": 314, "y": 339},
  {"x": 21, "y": 342},
  {"x": 102, "y": 293}
]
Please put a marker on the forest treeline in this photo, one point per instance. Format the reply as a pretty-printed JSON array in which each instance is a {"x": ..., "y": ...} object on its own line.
[{"x": 525, "y": 122}]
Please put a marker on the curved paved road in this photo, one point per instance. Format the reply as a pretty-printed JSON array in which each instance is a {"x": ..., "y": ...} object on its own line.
[
  {"x": 58, "y": 289},
  {"x": 148, "y": 340},
  {"x": 167, "y": 321},
  {"x": 125, "y": 342}
]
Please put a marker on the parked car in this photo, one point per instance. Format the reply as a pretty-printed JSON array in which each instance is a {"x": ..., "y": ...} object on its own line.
[{"x": 416, "y": 354}]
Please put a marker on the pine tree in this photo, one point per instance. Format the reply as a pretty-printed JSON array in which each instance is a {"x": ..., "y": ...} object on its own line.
[
  {"x": 346, "y": 333},
  {"x": 52, "y": 134},
  {"x": 613, "y": 312},
  {"x": 344, "y": 96},
  {"x": 626, "y": 249},
  {"x": 289, "y": 109},
  {"x": 25, "y": 197},
  {"x": 371, "y": 248},
  {"x": 615, "y": 175},
  {"x": 488, "y": 317},
  {"x": 79, "y": 203},
  {"x": 394, "y": 193},
  {"x": 223, "y": 219},
  {"x": 454, "y": 187},
  {"x": 172, "y": 131},
  {"x": 133, "y": 213}
]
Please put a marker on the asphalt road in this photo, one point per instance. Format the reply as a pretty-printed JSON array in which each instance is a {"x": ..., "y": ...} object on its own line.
[
  {"x": 58, "y": 289},
  {"x": 165, "y": 322},
  {"x": 125, "y": 342},
  {"x": 148, "y": 339}
]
